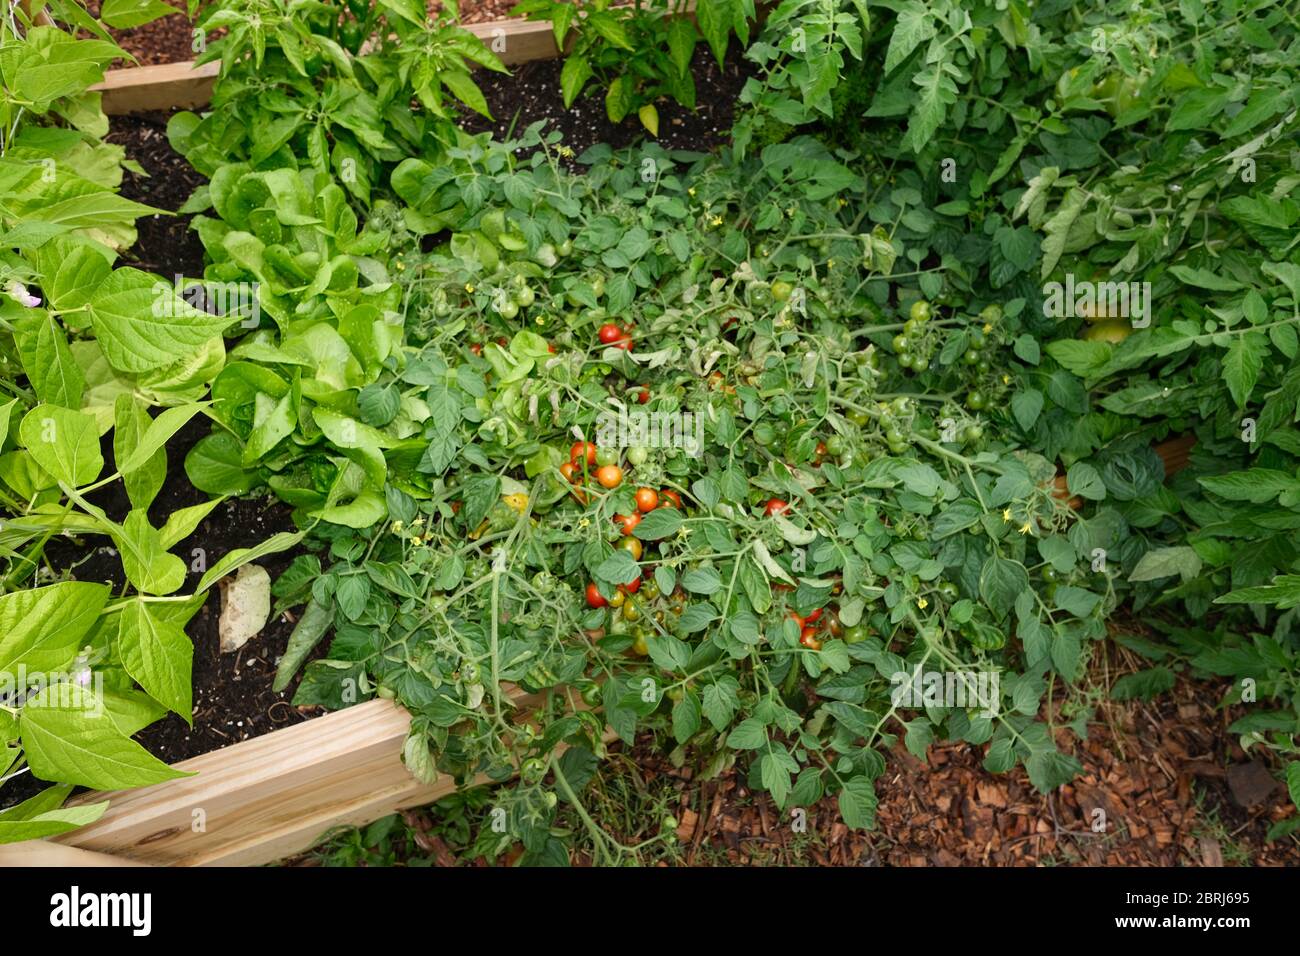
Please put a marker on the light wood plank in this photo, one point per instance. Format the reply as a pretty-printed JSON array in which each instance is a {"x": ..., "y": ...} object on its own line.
[
  {"x": 164, "y": 87},
  {"x": 273, "y": 796},
  {"x": 43, "y": 853}
]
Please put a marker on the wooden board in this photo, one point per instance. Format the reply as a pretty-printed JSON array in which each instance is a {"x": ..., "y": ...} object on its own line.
[
  {"x": 166, "y": 87},
  {"x": 183, "y": 86},
  {"x": 260, "y": 800},
  {"x": 42, "y": 853}
]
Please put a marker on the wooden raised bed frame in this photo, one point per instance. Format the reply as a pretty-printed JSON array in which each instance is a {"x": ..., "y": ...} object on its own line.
[{"x": 273, "y": 796}]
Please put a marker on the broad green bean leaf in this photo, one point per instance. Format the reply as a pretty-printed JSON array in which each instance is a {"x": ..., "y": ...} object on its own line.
[
  {"x": 236, "y": 559},
  {"x": 44, "y": 816},
  {"x": 126, "y": 14},
  {"x": 157, "y": 433},
  {"x": 51, "y": 369},
  {"x": 67, "y": 737},
  {"x": 146, "y": 562},
  {"x": 142, "y": 324},
  {"x": 158, "y": 656},
  {"x": 63, "y": 442},
  {"x": 145, "y": 478},
  {"x": 180, "y": 524},
  {"x": 42, "y": 627}
]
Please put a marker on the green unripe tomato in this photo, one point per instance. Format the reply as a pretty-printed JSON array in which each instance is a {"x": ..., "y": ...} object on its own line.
[
  {"x": 636, "y": 455},
  {"x": 920, "y": 310},
  {"x": 606, "y": 456}
]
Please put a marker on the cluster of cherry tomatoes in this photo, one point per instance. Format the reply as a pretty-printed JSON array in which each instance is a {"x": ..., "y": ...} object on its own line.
[{"x": 615, "y": 335}]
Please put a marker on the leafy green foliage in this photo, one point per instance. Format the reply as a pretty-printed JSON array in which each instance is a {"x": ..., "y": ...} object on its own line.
[{"x": 80, "y": 672}]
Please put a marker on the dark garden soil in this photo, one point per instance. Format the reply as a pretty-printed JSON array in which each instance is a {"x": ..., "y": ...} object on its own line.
[
  {"x": 165, "y": 244},
  {"x": 532, "y": 92}
]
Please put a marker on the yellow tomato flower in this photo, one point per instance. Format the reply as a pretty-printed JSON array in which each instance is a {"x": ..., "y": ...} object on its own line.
[
  {"x": 922, "y": 603},
  {"x": 1006, "y": 514},
  {"x": 1026, "y": 528},
  {"x": 716, "y": 221}
]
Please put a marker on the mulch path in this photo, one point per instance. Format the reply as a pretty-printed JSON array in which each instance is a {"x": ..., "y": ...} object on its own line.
[{"x": 1174, "y": 786}]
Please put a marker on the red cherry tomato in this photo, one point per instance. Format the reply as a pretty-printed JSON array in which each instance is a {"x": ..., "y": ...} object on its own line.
[
  {"x": 609, "y": 333},
  {"x": 775, "y": 506},
  {"x": 810, "y": 640},
  {"x": 631, "y": 588},
  {"x": 594, "y": 597},
  {"x": 570, "y": 472},
  {"x": 813, "y": 616},
  {"x": 644, "y": 397},
  {"x": 581, "y": 448},
  {"x": 669, "y": 498},
  {"x": 647, "y": 499},
  {"x": 627, "y": 523}
]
